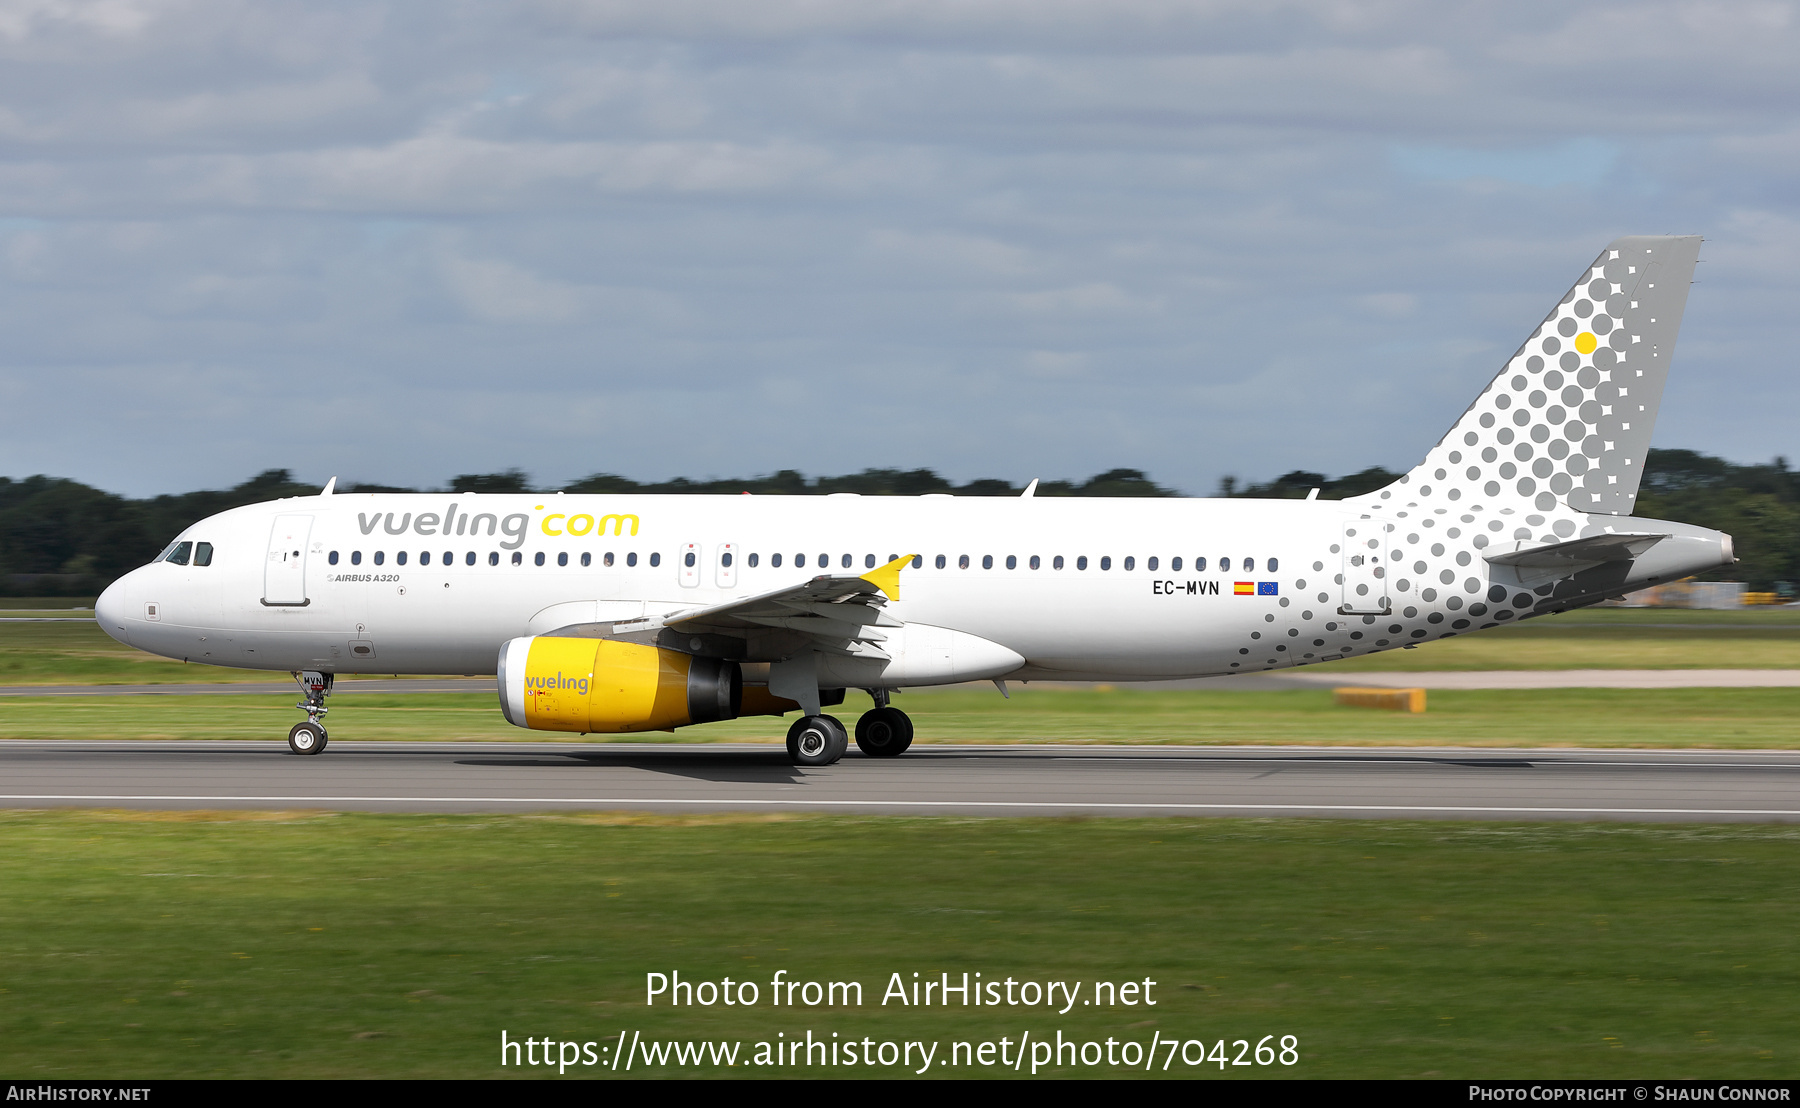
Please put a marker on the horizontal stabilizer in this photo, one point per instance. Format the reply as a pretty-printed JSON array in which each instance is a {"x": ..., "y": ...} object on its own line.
[{"x": 1588, "y": 551}]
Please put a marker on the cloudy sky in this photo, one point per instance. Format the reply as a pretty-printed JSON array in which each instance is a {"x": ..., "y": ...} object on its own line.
[{"x": 1009, "y": 238}]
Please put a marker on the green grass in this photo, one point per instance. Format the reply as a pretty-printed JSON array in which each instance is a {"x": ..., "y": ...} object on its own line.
[
  {"x": 1610, "y": 638},
  {"x": 289, "y": 945},
  {"x": 80, "y": 653},
  {"x": 1720, "y": 718},
  {"x": 59, "y": 602}
]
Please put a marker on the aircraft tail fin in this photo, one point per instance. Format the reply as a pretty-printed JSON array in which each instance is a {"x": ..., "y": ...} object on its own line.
[{"x": 1566, "y": 424}]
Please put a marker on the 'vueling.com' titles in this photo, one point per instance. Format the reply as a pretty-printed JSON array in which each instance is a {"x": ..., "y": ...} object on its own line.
[{"x": 513, "y": 526}]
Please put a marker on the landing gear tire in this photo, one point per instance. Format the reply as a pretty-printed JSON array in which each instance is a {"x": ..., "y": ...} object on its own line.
[
  {"x": 307, "y": 738},
  {"x": 884, "y": 732},
  {"x": 816, "y": 741}
]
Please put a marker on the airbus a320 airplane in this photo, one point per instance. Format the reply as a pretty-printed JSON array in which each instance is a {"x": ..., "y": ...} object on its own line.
[{"x": 610, "y": 614}]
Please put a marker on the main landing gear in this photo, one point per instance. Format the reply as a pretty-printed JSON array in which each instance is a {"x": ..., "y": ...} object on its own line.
[
  {"x": 816, "y": 741},
  {"x": 881, "y": 732},
  {"x": 310, "y": 737}
]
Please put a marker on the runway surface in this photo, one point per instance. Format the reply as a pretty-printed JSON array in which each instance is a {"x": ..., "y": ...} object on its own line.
[{"x": 1690, "y": 785}]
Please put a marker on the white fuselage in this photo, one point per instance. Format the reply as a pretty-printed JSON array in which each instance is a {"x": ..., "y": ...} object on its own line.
[{"x": 381, "y": 584}]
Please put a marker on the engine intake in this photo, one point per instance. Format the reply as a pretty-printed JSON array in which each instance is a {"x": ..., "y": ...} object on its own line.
[{"x": 600, "y": 686}]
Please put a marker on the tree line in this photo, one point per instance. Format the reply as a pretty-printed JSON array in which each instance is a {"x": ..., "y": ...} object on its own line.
[{"x": 62, "y": 538}]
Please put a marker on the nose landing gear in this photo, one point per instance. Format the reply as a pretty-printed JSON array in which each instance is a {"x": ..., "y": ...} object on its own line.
[{"x": 310, "y": 737}]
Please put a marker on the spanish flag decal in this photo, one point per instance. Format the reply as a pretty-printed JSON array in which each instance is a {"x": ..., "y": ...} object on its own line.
[{"x": 1243, "y": 588}]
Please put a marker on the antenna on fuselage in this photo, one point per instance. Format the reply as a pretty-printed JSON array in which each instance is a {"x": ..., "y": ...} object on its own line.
[
  {"x": 1030, "y": 490},
  {"x": 330, "y": 487}
]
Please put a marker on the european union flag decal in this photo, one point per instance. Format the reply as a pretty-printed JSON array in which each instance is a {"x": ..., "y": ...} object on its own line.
[{"x": 1268, "y": 588}]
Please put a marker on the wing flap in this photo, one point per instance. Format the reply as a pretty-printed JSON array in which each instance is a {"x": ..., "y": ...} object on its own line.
[{"x": 839, "y": 615}]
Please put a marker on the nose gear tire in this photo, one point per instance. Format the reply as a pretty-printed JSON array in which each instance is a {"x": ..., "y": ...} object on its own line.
[{"x": 307, "y": 738}]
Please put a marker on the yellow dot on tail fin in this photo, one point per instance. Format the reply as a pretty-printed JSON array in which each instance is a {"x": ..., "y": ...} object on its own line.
[{"x": 1585, "y": 342}]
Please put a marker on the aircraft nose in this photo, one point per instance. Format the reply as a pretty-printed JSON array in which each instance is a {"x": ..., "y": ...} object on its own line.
[{"x": 111, "y": 609}]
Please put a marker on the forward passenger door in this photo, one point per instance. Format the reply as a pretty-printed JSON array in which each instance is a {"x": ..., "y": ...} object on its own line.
[{"x": 284, "y": 571}]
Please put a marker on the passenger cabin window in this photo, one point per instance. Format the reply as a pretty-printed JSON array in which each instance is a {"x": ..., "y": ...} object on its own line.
[
  {"x": 356, "y": 557},
  {"x": 1224, "y": 565},
  {"x": 799, "y": 561},
  {"x": 1106, "y": 562},
  {"x": 655, "y": 558},
  {"x": 1012, "y": 562},
  {"x": 1274, "y": 565},
  {"x": 1174, "y": 565},
  {"x": 689, "y": 559},
  {"x": 774, "y": 561},
  {"x": 940, "y": 561},
  {"x": 181, "y": 553},
  {"x": 562, "y": 559},
  {"x": 1034, "y": 561},
  {"x": 332, "y": 558},
  {"x": 963, "y": 562},
  {"x": 1056, "y": 562},
  {"x": 1149, "y": 564},
  {"x": 587, "y": 560},
  {"x": 518, "y": 558},
  {"x": 824, "y": 561},
  {"x": 1199, "y": 565},
  {"x": 538, "y": 558},
  {"x": 203, "y": 553},
  {"x": 724, "y": 559},
  {"x": 987, "y": 561},
  {"x": 918, "y": 560},
  {"x": 493, "y": 557},
  {"x": 399, "y": 559},
  {"x": 1130, "y": 562},
  {"x": 606, "y": 559},
  {"x": 470, "y": 560},
  {"x": 630, "y": 559},
  {"x": 869, "y": 561},
  {"x": 1081, "y": 562},
  {"x": 380, "y": 556}
]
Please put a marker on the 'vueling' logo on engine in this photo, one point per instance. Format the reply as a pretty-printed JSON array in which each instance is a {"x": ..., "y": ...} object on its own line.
[{"x": 579, "y": 684}]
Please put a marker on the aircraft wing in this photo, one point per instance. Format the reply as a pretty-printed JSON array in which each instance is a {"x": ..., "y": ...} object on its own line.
[{"x": 839, "y": 615}]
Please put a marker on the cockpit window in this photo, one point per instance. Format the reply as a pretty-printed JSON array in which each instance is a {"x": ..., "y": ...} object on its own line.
[
  {"x": 179, "y": 555},
  {"x": 203, "y": 553}
]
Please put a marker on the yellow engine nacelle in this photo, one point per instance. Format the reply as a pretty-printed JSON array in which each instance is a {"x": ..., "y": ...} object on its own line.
[{"x": 600, "y": 686}]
